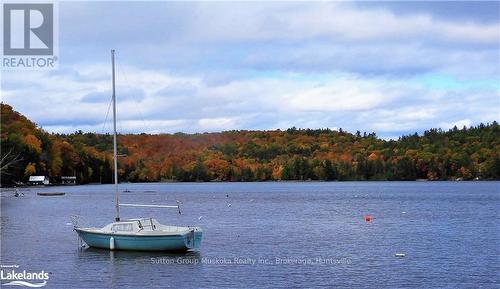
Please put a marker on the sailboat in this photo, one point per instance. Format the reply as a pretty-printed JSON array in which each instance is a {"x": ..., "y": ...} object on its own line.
[{"x": 138, "y": 234}]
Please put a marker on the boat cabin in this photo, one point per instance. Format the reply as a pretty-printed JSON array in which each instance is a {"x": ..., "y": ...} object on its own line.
[
  {"x": 140, "y": 225},
  {"x": 133, "y": 225}
]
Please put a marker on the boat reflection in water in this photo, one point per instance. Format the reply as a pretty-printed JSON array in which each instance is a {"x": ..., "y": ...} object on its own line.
[{"x": 138, "y": 257}]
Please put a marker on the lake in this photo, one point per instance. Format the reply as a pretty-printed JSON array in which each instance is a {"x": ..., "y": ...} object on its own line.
[{"x": 268, "y": 235}]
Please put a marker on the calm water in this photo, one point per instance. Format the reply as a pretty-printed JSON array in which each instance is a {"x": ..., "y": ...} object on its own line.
[{"x": 449, "y": 232}]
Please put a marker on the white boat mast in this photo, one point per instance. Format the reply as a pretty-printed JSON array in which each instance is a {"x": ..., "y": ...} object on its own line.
[{"x": 115, "y": 156}]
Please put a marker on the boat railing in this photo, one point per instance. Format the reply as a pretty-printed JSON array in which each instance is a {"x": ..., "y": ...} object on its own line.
[
  {"x": 145, "y": 224},
  {"x": 75, "y": 220}
]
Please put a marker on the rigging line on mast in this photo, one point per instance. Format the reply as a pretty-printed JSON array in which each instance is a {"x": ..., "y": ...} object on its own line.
[
  {"x": 107, "y": 114},
  {"x": 122, "y": 70}
]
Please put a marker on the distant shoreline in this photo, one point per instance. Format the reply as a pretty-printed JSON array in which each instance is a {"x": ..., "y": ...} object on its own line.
[{"x": 269, "y": 181}]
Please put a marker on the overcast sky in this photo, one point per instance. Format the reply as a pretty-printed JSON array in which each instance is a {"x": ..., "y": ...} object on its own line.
[{"x": 393, "y": 67}]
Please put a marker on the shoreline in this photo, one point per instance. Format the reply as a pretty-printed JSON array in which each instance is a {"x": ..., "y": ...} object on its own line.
[{"x": 236, "y": 182}]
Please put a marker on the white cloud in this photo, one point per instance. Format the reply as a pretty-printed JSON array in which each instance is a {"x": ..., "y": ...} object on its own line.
[
  {"x": 343, "y": 95},
  {"x": 380, "y": 104},
  {"x": 459, "y": 124},
  {"x": 218, "y": 124}
]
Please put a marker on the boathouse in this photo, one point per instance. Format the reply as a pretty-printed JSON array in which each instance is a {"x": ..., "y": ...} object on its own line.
[
  {"x": 38, "y": 180},
  {"x": 68, "y": 180}
]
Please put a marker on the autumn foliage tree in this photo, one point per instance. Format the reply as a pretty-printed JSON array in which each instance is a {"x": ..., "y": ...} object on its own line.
[{"x": 47, "y": 154}]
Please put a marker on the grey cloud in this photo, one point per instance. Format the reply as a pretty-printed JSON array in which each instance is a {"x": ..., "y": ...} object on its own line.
[
  {"x": 177, "y": 89},
  {"x": 478, "y": 11},
  {"x": 229, "y": 61},
  {"x": 202, "y": 37},
  {"x": 98, "y": 96}
]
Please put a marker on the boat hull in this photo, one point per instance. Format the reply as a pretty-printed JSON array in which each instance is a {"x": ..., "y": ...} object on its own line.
[{"x": 180, "y": 242}]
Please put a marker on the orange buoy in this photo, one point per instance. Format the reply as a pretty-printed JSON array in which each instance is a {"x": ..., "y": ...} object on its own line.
[{"x": 368, "y": 218}]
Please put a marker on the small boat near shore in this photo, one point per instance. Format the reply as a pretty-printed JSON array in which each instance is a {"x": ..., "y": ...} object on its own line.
[{"x": 50, "y": 194}]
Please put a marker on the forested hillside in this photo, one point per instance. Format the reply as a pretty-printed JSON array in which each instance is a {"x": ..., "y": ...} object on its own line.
[
  {"x": 28, "y": 150},
  {"x": 293, "y": 154}
]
